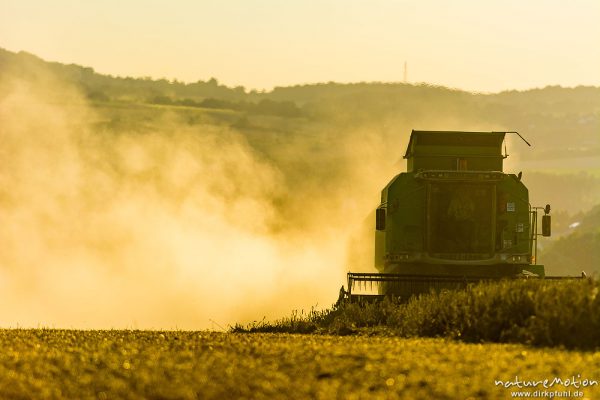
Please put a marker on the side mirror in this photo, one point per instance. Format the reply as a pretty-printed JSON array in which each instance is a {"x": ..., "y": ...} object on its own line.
[
  {"x": 380, "y": 219},
  {"x": 547, "y": 209},
  {"x": 546, "y": 226}
]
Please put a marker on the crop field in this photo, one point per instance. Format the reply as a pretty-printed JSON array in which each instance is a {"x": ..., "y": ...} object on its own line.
[
  {"x": 535, "y": 312},
  {"x": 438, "y": 346},
  {"x": 45, "y": 363}
]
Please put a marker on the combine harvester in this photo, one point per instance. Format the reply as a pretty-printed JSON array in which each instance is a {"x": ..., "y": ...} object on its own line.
[{"x": 453, "y": 218}]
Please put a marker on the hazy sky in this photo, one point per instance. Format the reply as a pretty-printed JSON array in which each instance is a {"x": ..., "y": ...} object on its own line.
[{"x": 469, "y": 44}]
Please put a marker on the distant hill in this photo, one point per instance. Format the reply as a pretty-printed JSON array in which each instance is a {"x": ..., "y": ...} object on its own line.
[
  {"x": 563, "y": 124},
  {"x": 97, "y": 86}
]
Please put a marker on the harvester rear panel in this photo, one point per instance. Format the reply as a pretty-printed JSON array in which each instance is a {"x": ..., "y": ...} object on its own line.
[{"x": 452, "y": 218}]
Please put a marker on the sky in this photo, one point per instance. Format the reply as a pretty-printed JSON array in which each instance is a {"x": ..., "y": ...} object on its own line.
[{"x": 482, "y": 46}]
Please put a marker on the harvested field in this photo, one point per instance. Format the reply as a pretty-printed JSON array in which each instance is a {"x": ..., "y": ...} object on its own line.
[{"x": 44, "y": 363}]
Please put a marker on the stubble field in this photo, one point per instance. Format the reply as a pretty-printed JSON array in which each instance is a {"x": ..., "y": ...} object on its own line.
[{"x": 44, "y": 363}]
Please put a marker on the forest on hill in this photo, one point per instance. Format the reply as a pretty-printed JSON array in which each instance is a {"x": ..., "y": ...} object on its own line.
[
  {"x": 331, "y": 142},
  {"x": 562, "y": 122},
  {"x": 552, "y": 116}
]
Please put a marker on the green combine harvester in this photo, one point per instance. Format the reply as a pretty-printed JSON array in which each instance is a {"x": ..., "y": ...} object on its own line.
[{"x": 452, "y": 218}]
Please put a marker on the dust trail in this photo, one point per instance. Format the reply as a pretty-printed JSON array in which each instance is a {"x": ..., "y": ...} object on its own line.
[
  {"x": 166, "y": 228},
  {"x": 163, "y": 223}
]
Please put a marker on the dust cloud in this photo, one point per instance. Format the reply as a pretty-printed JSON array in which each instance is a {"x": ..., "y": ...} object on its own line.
[
  {"x": 170, "y": 225},
  {"x": 156, "y": 222}
]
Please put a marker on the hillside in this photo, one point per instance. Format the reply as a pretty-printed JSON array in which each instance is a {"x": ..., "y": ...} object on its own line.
[
  {"x": 563, "y": 124},
  {"x": 180, "y": 177}
]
